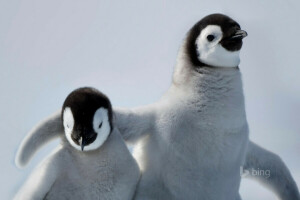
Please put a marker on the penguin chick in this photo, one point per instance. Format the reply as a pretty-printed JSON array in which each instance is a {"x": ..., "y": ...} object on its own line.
[
  {"x": 92, "y": 161},
  {"x": 197, "y": 134}
]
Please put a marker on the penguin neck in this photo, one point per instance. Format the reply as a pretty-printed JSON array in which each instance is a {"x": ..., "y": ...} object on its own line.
[
  {"x": 205, "y": 82},
  {"x": 215, "y": 93}
]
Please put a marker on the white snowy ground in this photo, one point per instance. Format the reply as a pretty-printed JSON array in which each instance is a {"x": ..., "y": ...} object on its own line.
[{"x": 128, "y": 50}]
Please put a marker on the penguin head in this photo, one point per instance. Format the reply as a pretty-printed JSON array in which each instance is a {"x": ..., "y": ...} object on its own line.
[
  {"x": 87, "y": 118},
  {"x": 215, "y": 41}
]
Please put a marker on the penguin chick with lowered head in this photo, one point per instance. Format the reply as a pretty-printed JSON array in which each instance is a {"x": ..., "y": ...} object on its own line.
[{"x": 92, "y": 162}]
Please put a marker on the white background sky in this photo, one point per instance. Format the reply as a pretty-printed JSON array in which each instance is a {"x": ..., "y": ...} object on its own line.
[{"x": 127, "y": 49}]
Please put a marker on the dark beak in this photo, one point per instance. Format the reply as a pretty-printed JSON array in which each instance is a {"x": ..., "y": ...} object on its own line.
[
  {"x": 239, "y": 34},
  {"x": 83, "y": 143}
]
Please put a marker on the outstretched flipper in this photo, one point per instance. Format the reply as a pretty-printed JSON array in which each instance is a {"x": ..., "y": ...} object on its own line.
[
  {"x": 279, "y": 179},
  {"x": 136, "y": 122},
  {"x": 44, "y": 132}
]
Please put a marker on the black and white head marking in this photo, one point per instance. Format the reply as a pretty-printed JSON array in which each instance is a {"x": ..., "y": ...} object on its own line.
[
  {"x": 215, "y": 41},
  {"x": 87, "y": 118}
]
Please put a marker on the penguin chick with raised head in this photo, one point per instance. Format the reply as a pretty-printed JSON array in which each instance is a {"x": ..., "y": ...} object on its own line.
[
  {"x": 197, "y": 134},
  {"x": 92, "y": 161}
]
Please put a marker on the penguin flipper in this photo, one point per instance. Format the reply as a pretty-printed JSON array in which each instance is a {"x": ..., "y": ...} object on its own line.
[
  {"x": 134, "y": 123},
  {"x": 279, "y": 180},
  {"x": 45, "y": 131}
]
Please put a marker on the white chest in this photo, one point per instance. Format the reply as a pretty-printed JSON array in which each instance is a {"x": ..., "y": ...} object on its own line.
[{"x": 197, "y": 149}]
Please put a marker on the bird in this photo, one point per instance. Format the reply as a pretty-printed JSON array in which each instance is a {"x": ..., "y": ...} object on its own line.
[
  {"x": 92, "y": 161},
  {"x": 193, "y": 142}
]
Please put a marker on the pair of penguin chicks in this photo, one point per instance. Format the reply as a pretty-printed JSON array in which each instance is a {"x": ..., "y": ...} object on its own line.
[
  {"x": 93, "y": 162},
  {"x": 198, "y": 141}
]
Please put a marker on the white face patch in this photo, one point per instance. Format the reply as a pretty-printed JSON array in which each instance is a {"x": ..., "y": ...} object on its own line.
[
  {"x": 101, "y": 127},
  {"x": 69, "y": 125},
  {"x": 211, "y": 51}
]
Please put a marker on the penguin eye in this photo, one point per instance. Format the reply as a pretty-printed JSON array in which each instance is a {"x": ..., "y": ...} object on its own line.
[
  {"x": 100, "y": 125},
  {"x": 210, "y": 38}
]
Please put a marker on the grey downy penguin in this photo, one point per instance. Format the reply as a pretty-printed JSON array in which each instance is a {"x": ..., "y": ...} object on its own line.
[
  {"x": 92, "y": 161},
  {"x": 193, "y": 142}
]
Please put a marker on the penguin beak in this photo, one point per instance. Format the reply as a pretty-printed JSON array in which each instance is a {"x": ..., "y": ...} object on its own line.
[
  {"x": 83, "y": 142},
  {"x": 239, "y": 34}
]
